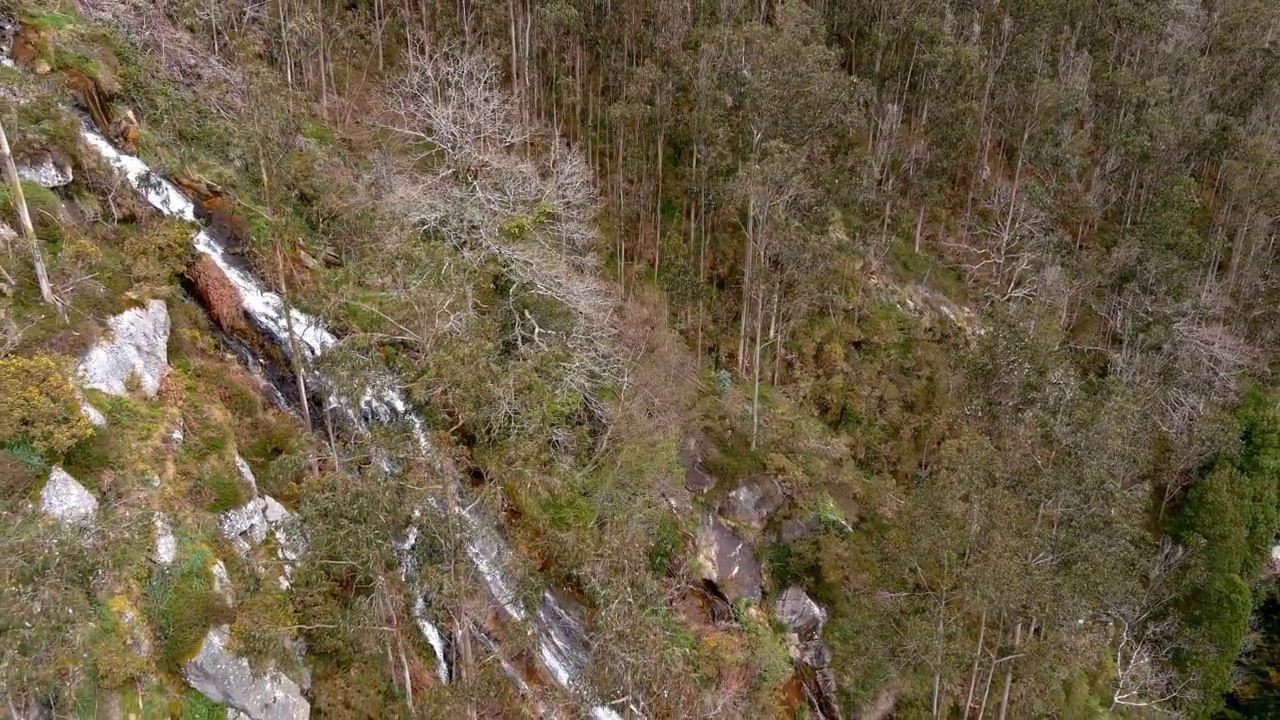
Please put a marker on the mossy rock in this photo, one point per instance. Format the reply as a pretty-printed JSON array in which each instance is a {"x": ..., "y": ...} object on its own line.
[{"x": 116, "y": 645}]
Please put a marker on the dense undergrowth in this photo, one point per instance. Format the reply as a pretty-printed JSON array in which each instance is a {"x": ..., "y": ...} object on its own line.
[{"x": 1013, "y": 477}]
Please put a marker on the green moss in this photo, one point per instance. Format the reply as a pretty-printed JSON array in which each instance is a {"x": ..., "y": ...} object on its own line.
[
  {"x": 261, "y": 631},
  {"x": 279, "y": 452},
  {"x": 157, "y": 252},
  {"x": 768, "y": 649},
  {"x": 113, "y": 662}
]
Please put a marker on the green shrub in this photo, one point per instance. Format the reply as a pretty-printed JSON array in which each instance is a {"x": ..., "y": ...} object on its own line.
[
  {"x": 666, "y": 546},
  {"x": 1230, "y": 518},
  {"x": 261, "y": 630},
  {"x": 26, "y": 454},
  {"x": 158, "y": 251},
  {"x": 768, "y": 650}
]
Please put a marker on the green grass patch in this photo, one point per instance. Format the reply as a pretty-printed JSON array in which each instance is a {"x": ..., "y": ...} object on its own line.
[
  {"x": 666, "y": 546},
  {"x": 567, "y": 511},
  {"x": 181, "y": 605},
  {"x": 25, "y": 454},
  {"x": 220, "y": 489},
  {"x": 113, "y": 662},
  {"x": 195, "y": 706}
]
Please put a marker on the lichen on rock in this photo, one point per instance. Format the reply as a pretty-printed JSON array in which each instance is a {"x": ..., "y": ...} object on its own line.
[
  {"x": 231, "y": 681},
  {"x": 66, "y": 500},
  {"x": 137, "y": 350}
]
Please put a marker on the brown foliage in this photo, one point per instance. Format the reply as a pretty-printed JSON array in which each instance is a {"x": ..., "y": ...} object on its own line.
[{"x": 218, "y": 296}]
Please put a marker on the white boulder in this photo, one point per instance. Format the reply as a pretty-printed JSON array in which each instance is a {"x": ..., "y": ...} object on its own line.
[
  {"x": 46, "y": 171},
  {"x": 137, "y": 348},
  {"x": 92, "y": 414},
  {"x": 222, "y": 581},
  {"x": 246, "y": 525},
  {"x": 65, "y": 499}
]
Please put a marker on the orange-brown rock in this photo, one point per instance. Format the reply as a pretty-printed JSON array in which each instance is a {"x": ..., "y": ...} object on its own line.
[
  {"x": 218, "y": 296},
  {"x": 218, "y": 206},
  {"x": 28, "y": 46},
  {"x": 124, "y": 132}
]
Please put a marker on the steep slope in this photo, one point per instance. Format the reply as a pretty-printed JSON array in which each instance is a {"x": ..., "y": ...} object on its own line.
[{"x": 223, "y": 582}]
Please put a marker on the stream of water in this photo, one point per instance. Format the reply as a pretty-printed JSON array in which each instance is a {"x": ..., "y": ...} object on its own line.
[{"x": 562, "y": 644}]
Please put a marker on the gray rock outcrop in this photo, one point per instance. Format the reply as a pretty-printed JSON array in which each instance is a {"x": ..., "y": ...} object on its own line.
[
  {"x": 66, "y": 500},
  {"x": 93, "y": 415},
  {"x": 751, "y": 504},
  {"x": 46, "y": 170},
  {"x": 166, "y": 548},
  {"x": 805, "y": 619},
  {"x": 229, "y": 680},
  {"x": 728, "y": 559},
  {"x": 136, "y": 348},
  {"x": 246, "y": 525}
]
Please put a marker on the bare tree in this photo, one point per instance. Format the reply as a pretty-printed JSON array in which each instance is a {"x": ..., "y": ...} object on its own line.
[
  {"x": 1004, "y": 255},
  {"x": 534, "y": 215},
  {"x": 1146, "y": 675}
]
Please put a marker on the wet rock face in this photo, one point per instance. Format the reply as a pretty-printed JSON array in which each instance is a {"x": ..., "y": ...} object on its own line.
[
  {"x": 751, "y": 504},
  {"x": 66, "y": 500},
  {"x": 248, "y": 525},
  {"x": 805, "y": 619},
  {"x": 799, "y": 528},
  {"x": 136, "y": 349},
  {"x": 728, "y": 559},
  {"x": 229, "y": 680}
]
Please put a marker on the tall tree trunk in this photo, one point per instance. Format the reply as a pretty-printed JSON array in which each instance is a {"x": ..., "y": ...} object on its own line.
[
  {"x": 1008, "y": 675},
  {"x": 297, "y": 355},
  {"x": 973, "y": 674},
  {"x": 748, "y": 262},
  {"x": 755, "y": 400},
  {"x": 657, "y": 211},
  {"x": 24, "y": 218}
]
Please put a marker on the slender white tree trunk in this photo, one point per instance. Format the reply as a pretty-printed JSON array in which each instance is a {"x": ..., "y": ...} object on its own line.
[{"x": 24, "y": 217}]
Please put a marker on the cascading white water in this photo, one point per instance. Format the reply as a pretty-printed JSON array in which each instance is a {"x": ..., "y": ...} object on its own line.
[{"x": 561, "y": 636}]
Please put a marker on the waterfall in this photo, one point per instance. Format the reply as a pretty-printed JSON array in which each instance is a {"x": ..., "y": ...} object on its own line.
[{"x": 561, "y": 636}]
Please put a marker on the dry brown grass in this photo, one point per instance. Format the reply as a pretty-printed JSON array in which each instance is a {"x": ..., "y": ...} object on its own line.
[{"x": 218, "y": 296}]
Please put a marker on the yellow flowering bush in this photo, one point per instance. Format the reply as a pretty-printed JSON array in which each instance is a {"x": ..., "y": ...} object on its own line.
[{"x": 38, "y": 405}]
